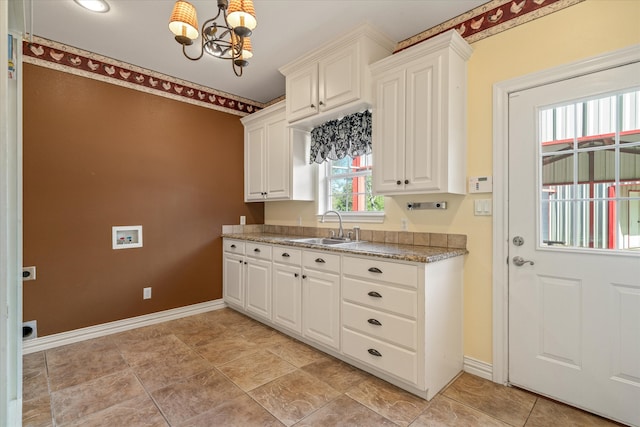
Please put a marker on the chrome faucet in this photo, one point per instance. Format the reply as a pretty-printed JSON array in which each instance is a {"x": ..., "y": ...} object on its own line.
[{"x": 340, "y": 230}]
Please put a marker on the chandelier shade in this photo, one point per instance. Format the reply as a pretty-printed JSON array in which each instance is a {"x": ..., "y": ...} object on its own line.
[
  {"x": 184, "y": 21},
  {"x": 227, "y": 38}
]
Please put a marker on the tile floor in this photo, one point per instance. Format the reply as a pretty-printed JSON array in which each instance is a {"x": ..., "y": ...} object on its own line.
[{"x": 224, "y": 369}]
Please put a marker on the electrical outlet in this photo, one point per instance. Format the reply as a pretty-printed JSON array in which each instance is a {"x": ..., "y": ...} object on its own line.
[
  {"x": 29, "y": 330},
  {"x": 243, "y": 220},
  {"x": 404, "y": 224},
  {"x": 29, "y": 273},
  {"x": 146, "y": 293}
]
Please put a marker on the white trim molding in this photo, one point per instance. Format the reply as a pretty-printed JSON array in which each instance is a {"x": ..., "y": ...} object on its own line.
[
  {"x": 478, "y": 368},
  {"x": 501, "y": 92},
  {"x": 77, "y": 335}
]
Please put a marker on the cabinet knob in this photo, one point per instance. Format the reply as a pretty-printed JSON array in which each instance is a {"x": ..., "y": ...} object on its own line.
[
  {"x": 304, "y": 276},
  {"x": 374, "y": 322},
  {"x": 233, "y": 246},
  {"x": 374, "y": 294},
  {"x": 285, "y": 255},
  {"x": 245, "y": 263},
  {"x": 256, "y": 250},
  {"x": 374, "y": 352},
  {"x": 375, "y": 270},
  {"x": 321, "y": 103},
  {"x": 313, "y": 106},
  {"x": 320, "y": 260},
  {"x": 398, "y": 182},
  {"x": 295, "y": 274},
  {"x": 240, "y": 261},
  {"x": 406, "y": 181}
]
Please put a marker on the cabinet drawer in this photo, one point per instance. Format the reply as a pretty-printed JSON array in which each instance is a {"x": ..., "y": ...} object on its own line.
[
  {"x": 258, "y": 250},
  {"x": 381, "y": 325},
  {"x": 391, "y": 359},
  {"x": 287, "y": 255},
  {"x": 382, "y": 297},
  {"x": 378, "y": 270},
  {"x": 322, "y": 261},
  {"x": 234, "y": 246}
]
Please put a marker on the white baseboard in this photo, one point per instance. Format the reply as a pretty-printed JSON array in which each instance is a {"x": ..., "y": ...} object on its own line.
[
  {"x": 76, "y": 335},
  {"x": 478, "y": 368}
]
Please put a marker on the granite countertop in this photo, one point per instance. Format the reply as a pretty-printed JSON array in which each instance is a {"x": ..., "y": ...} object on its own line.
[{"x": 413, "y": 253}]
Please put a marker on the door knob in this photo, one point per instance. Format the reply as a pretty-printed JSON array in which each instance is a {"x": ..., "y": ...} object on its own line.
[{"x": 519, "y": 261}]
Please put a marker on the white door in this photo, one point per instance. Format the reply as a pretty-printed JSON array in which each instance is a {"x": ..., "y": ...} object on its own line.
[{"x": 574, "y": 300}]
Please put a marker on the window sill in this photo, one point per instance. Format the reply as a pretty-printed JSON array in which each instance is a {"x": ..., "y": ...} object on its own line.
[{"x": 365, "y": 217}]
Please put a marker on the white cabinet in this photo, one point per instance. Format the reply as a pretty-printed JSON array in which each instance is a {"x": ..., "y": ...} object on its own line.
[
  {"x": 233, "y": 278},
  {"x": 419, "y": 118},
  {"x": 287, "y": 288},
  {"x": 321, "y": 297},
  {"x": 276, "y": 163},
  {"x": 258, "y": 280},
  {"x": 333, "y": 80}
]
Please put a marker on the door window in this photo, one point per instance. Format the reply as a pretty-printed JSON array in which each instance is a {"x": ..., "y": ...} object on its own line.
[{"x": 589, "y": 173}]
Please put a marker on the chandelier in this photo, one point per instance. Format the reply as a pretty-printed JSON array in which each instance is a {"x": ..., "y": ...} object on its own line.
[{"x": 229, "y": 39}]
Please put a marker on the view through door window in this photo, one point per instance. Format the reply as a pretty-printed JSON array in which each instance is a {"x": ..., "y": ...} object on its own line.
[{"x": 589, "y": 171}]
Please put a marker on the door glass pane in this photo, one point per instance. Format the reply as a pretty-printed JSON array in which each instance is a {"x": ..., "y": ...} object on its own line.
[{"x": 589, "y": 187}]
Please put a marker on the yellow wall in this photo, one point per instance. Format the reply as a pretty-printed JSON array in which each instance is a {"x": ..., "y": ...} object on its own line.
[{"x": 580, "y": 31}]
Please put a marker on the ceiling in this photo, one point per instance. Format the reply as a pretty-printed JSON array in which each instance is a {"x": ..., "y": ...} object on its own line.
[{"x": 136, "y": 32}]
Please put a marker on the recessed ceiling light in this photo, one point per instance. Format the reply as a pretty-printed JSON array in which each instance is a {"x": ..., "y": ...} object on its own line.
[{"x": 100, "y": 6}]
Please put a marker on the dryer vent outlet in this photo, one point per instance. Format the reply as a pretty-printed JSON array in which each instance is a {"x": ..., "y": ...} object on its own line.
[{"x": 29, "y": 330}]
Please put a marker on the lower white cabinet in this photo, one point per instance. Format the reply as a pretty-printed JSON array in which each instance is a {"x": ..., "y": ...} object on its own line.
[
  {"x": 321, "y": 297},
  {"x": 401, "y": 321}
]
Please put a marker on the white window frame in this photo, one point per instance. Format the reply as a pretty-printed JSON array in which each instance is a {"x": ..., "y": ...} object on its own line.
[{"x": 323, "y": 202}]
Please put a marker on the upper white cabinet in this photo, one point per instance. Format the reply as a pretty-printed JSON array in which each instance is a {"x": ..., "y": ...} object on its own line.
[
  {"x": 419, "y": 118},
  {"x": 333, "y": 81},
  {"x": 276, "y": 165}
]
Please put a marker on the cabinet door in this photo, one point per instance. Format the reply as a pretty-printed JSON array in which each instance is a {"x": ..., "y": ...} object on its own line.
[
  {"x": 278, "y": 159},
  {"x": 339, "y": 78},
  {"x": 232, "y": 282},
  {"x": 258, "y": 282},
  {"x": 389, "y": 133},
  {"x": 321, "y": 307},
  {"x": 254, "y": 173},
  {"x": 302, "y": 93},
  {"x": 287, "y": 296},
  {"x": 425, "y": 144}
]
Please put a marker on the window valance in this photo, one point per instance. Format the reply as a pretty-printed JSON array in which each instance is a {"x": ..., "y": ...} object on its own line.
[{"x": 348, "y": 136}]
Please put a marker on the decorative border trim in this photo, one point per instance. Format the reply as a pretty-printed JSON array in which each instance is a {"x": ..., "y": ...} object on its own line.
[
  {"x": 491, "y": 18},
  {"x": 54, "y": 55},
  {"x": 77, "y": 335},
  {"x": 478, "y": 368}
]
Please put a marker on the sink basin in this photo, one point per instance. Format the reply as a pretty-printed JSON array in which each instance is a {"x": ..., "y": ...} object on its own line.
[{"x": 321, "y": 241}]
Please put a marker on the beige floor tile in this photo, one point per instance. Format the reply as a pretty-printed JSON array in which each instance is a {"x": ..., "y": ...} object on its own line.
[
  {"x": 73, "y": 403},
  {"x": 295, "y": 352},
  {"x": 37, "y": 412},
  {"x": 336, "y": 373},
  {"x": 138, "y": 412},
  {"x": 444, "y": 412},
  {"x": 508, "y": 404},
  {"x": 262, "y": 335},
  {"x": 197, "y": 332},
  {"x": 134, "y": 336},
  {"x": 34, "y": 376},
  {"x": 389, "y": 401},
  {"x": 344, "y": 412},
  {"x": 78, "y": 363},
  {"x": 258, "y": 368},
  {"x": 293, "y": 396},
  {"x": 194, "y": 396},
  {"x": 148, "y": 350},
  {"x": 241, "y": 411},
  {"x": 175, "y": 367},
  {"x": 547, "y": 413},
  {"x": 33, "y": 361},
  {"x": 226, "y": 349}
]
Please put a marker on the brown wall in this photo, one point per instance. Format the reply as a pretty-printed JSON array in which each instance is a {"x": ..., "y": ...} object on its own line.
[{"x": 98, "y": 155}]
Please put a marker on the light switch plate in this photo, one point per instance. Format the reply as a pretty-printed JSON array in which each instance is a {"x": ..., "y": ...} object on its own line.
[{"x": 482, "y": 207}]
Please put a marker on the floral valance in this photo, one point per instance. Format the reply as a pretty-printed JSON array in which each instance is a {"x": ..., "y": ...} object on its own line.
[{"x": 335, "y": 139}]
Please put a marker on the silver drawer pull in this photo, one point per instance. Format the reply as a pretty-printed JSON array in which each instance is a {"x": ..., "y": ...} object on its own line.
[
  {"x": 374, "y": 352},
  {"x": 256, "y": 250},
  {"x": 320, "y": 260},
  {"x": 374, "y": 294},
  {"x": 375, "y": 270},
  {"x": 285, "y": 255},
  {"x": 374, "y": 322}
]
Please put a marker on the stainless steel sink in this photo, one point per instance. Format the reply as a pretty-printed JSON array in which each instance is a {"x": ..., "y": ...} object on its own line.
[{"x": 321, "y": 241}]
